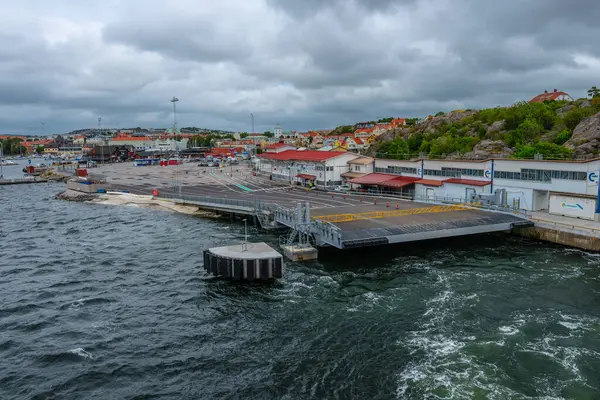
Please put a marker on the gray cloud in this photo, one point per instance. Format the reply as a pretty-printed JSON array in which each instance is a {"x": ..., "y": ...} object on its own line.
[{"x": 302, "y": 64}]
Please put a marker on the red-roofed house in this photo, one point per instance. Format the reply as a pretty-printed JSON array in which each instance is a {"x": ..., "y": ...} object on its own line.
[
  {"x": 138, "y": 142},
  {"x": 396, "y": 122},
  {"x": 279, "y": 147},
  {"x": 323, "y": 168},
  {"x": 551, "y": 96}
]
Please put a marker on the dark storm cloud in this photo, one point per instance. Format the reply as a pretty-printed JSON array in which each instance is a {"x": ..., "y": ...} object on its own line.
[
  {"x": 302, "y": 64},
  {"x": 307, "y": 8}
]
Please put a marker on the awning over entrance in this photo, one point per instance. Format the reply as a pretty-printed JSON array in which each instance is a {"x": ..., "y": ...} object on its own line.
[
  {"x": 352, "y": 175},
  {"x": 385, "y": 180},
  {"x": 469, "y": 182},
  {"x": 373, "y": 179},
  {"x": 307, "y": 176},
  {"x": 430, "y": 182},
  {"x": 399, "y": 182}
]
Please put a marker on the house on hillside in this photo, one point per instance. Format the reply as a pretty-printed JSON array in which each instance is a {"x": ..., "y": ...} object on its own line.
[
  {"x": 555, "y": 95},
  {"x": 278, "y": 147}
]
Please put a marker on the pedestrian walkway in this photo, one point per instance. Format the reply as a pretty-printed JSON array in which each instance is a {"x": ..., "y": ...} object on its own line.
[{"x": 566, "y": 224}]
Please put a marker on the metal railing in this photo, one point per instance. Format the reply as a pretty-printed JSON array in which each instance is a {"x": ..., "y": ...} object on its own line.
[
  {"x": 438, "y": 200},
  {"x": 215, "y": 201}
]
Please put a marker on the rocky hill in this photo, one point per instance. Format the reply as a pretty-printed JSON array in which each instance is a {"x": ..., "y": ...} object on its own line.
[{"x": 555, "y": 129}]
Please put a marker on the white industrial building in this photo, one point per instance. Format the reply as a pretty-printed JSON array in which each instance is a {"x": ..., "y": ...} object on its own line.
[
  {"x": 322, "y": 168},
  {"x": 567, "y": 188},
  {"x": 530, "y": 184}
]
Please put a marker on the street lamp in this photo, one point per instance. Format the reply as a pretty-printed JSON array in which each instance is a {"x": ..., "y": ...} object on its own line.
[
  {"x": 1, "y": 160},
  {"x": 174, "y": 100},
  {"x": 101, "y": 139},
  {"x": 245, "y": 244},
  {"x": 252, "y": 118}
]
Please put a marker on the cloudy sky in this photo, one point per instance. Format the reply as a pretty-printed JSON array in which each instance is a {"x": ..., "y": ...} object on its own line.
[{"x": 301, "y": 63}]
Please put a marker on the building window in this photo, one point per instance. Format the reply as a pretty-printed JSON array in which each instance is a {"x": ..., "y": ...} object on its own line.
[
  {"x": 452, "y": 172},
  {"x": 357, "y": 168},
  {"x": 540, "y": 175},
  {"x": 392, "y": 169}
]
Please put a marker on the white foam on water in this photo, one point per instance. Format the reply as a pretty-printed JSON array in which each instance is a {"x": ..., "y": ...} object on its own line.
[
  {"x": 77, "y": 304},
  {"x": 509, "y": 330},
  {"x": 81, "y": 353},
  {"x": 571, "y": 325}
]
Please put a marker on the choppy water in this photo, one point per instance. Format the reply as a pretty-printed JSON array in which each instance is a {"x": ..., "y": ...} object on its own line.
[{"x": 104, "y": 302}]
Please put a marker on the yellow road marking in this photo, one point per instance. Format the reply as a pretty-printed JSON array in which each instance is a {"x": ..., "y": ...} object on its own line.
[{"x": 387, "y": 214}]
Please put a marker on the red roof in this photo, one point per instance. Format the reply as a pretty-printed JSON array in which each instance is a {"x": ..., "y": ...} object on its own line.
[
  {"x": 306, "y": 176},
  {"x": 373, "y": 179},
  {"x": 470, "y": 182},
  {"x": 430, "y": 182},
  {"x": 548, "y": 96},
  {"x": 306, "y": 155},
  {"x": 358, "y": 141},
  {"x": 277, "y": 145},
  {"x": 399, "y": 182}
]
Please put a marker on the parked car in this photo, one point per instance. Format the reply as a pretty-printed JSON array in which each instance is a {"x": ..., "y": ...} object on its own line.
[{"x": 342, "y": 188}]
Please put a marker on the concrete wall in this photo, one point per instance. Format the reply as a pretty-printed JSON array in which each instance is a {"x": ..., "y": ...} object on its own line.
[
  {"x": 79, "y": 187},
  {"x": 566, "y": 238}
]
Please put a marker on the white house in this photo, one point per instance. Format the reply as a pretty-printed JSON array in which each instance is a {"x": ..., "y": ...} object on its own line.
[
  {"x": 138, "y": 142},
  {"x": 279, "y": 147},
  {"x": 169, "y": 145},
  {"x": 323, "y": 168}
]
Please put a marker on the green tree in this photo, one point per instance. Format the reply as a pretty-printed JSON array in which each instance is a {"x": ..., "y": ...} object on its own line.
[
  {"x": 563, "y": 136},
  {"x": 575, "y": 116},
  {"x": 527, "y": 131},
  {"x": 439, "y": 114},
  {"x": 393, "y": 149},
  {"x": 243, "y": 135},
  {"x": 268, "y": 134},
  {"x": 594, "y": 92},
  {"x": 414, "y": 142},
  {"x": 39, "y": 149},
  {"x": 548, "y": 150}
]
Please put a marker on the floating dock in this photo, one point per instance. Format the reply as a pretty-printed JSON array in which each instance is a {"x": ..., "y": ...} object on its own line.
[{"x": 244, "y": 262}]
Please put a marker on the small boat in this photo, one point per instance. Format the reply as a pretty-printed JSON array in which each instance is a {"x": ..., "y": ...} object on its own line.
[{"x": 35, "y": 170}]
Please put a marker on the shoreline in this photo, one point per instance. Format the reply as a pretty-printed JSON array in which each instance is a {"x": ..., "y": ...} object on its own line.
[{"x": 129, "y": 199}]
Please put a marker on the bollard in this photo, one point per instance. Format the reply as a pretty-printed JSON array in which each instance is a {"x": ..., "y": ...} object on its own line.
[
  {"x": 374, "y": 201},
  {"x": 397, "y": 206},
  {"x": 387, "y": 204},
  {"x": 361, "y": 199},
  {"x": 332, "y": 195},
  {"x": 345, "y": 196}
]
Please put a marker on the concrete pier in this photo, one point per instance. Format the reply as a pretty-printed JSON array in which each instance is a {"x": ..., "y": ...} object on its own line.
[
  {"x": 247, "y": 262},
  {"x": 300, "y": 253}
]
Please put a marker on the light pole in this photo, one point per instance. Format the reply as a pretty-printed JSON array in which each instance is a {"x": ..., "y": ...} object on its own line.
[
  {"x": 252, "y": 119},
  {"x": 43, "y": 129},
  {"x": 101, "y": 139},
  {"x": 1, "y": 160},
  {"x": 245, "y": 245},
  {"x": 174, "y": 100}
]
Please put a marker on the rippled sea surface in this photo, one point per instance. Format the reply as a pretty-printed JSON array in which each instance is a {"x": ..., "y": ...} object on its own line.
[{"x": 105, "y": 302}]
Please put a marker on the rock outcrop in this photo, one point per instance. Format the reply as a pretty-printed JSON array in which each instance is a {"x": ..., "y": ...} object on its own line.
[
  {"x": 586, "y": 137},
  {"x": 489, "y": 148}
]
